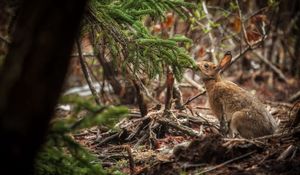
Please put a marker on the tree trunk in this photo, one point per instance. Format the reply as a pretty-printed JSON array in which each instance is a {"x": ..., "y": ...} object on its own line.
[{"x": 32, "y": 77}]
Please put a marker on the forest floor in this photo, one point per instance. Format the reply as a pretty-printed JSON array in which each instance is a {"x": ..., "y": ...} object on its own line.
[{"x": 187, "y": 141}]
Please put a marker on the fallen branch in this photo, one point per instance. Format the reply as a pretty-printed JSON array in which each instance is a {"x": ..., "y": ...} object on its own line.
[
  {"x": 294, "y": 97},
  {"x": 183, "y": 129},
  {"x": 86, "y": 73},
  {"x": 130, "y": 159},
  {"x": 227, "y": 162},
  {"x": 141, "y": 140},
  {"x": 287, "y": 152},
  {"x": 107, "y": 139}
]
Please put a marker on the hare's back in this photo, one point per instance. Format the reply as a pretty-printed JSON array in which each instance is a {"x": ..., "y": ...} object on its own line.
[{"x": 233, "y": 97}]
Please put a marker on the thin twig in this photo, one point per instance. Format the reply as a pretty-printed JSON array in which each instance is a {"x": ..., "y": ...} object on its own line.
[
  {"x": 134, "y": 77},
  {"x": 7, "y": 42},
  {"x": 193, "y": 98},
  {"x": 287, "y": 152},
  {"x": 243, "y": 52},
  {"x": 87, "y": 73},
  {"x": 294, "y": 97},
  {"x": 227, "y": 162},
  {"x": 242, "y": 23},
  {"x": 141, "y": 140},
  {"x": 184, "y": 129},
  {"x": 169, "y": 93},
  {"x": 106, "y": 140},
  {"x": 140, "y": 99},
  {"x": 193, "y": 83},
  {"x": 273, "y": 68},
  {"x": 130, "y": 159},
  {"x": 212, "y": 50}
]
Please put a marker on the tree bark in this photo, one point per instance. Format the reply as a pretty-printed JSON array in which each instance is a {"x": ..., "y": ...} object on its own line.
[{"x": 32, "y": 77}]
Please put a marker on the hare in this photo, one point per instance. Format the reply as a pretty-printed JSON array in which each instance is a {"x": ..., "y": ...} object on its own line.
[{"x": 234, "y": 107}]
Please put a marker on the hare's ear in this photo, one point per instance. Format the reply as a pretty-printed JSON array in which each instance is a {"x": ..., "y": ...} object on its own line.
[{"x": 225, "y": 62}]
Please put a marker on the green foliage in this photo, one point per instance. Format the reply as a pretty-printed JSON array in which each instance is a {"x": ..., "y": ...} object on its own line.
[
  {"x": 62, "y": 154},
  {"x": 120, "y": 24},
  {"x": 233, "y": 6},
  {"x": 273, "y": 3}
]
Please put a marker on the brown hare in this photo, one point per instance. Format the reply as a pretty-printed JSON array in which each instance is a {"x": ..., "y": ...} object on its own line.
[{"x": 235, "y": 108}]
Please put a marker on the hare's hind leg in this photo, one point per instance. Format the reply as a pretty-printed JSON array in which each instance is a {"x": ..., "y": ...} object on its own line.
[{"x": 243, "y": 125}]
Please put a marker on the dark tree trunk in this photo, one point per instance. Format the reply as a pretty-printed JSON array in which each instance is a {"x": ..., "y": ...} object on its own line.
[{"x": 32, "y": 77}]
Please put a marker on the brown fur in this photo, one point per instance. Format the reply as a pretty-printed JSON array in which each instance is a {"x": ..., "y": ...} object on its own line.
[{"x": 242, "y": 111}]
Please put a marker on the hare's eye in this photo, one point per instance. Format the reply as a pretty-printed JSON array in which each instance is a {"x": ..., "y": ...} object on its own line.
[{"x": 206, "y": 66}]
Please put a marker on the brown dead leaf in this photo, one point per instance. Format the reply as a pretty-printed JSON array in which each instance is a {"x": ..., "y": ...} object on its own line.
[
  {"x": 169, "y": 21},
  {"x": 201, "y": 52},
  {"x": 235, "y": 24},
  {"x": 252, "y": 33},
  {"x": 258, "y": 19}
]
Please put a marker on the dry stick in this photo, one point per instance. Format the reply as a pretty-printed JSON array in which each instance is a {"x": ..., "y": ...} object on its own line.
[
  {"x": 292, "y": 23},
  {"x": 136, "y": 77},
  {"x": 140, "y": 99},
  {"x": 177, "y": 95},
  {"x": 273, "y": 68},
  {"x": 169, "y": 93},
  {"x": 210, "y": 33},
  {"x": 141, "y": 140},
  {"x": 242, "y": 23},
  {"x": 144, "y": 122},
  {"x": 107, "y": 139},
  {"x": 252, "y": 47},
  {"x": 249, "y": 45},
  {"x": 4, "y": 40},
  {"x": 199, "y": 119},
  {"x": 86, "y": 73},
  {"x": 130, "y": 158},
  {"x": 139, "y": 128},
  {"x": 294, "y": 97},
  {"x": 147, "y": 93},
  {"x": 227, "y": 162},
  {"x": 273, "y": 103},
  {"x": 184, "y": 129},
  {"x": 295, "y": 130},
  {"x": 193, "y": 98},
  {"x": 193, "y": 83},
  {"x": 287, "y": 152},
  {"x": 296, "y": 119}
]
